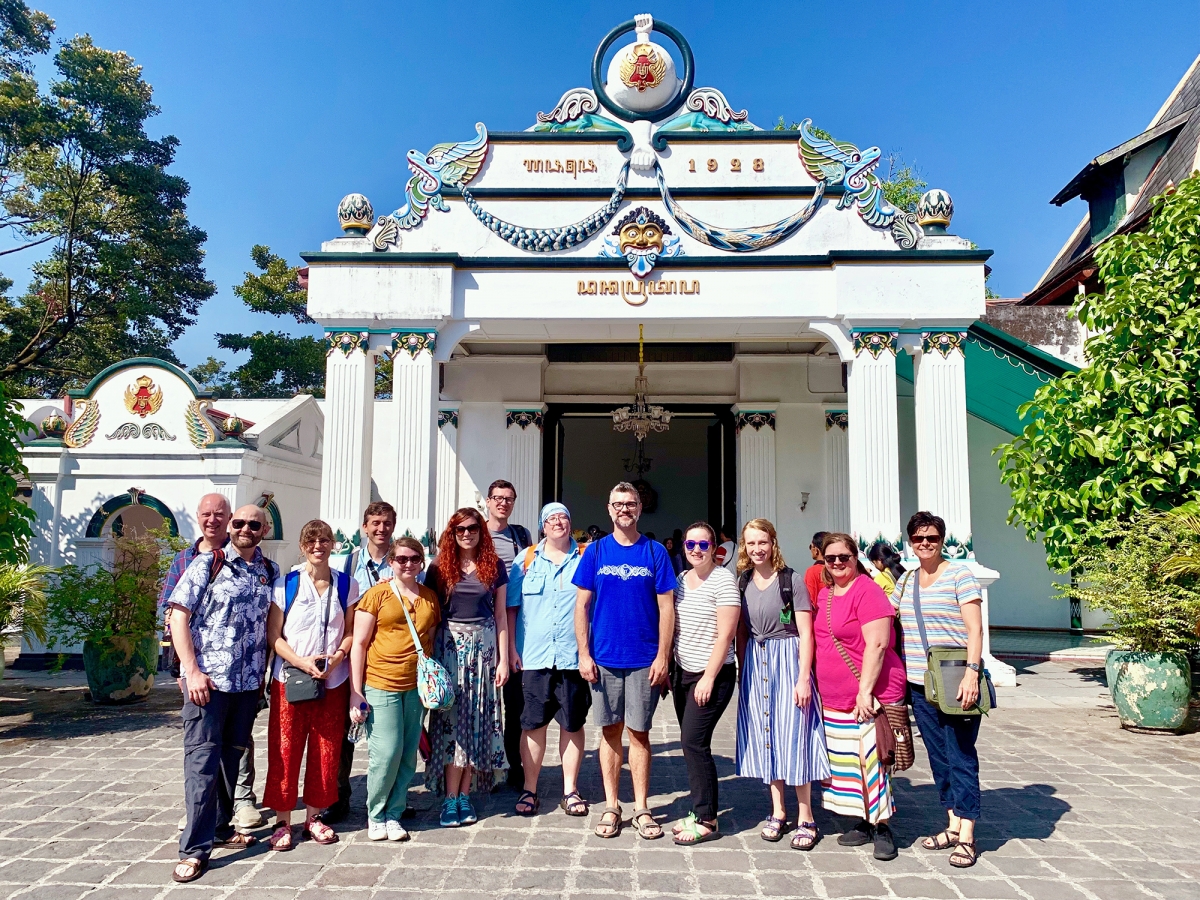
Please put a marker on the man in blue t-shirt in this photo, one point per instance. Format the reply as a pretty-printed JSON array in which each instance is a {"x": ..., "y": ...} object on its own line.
[{"x": 624, "y": 625}]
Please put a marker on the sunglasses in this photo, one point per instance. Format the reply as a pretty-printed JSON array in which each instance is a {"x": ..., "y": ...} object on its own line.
[
  {"x": 702, "y": 546},
  {"x": 838, "y": 558},
  {"x": 926, "y": 539},
  {"x": 252, "y": 524},
  {"x": 466, "y": 529},
  {"x": 407, "y": 559}
]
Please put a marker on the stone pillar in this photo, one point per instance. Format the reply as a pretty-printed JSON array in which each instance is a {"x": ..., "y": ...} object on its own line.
[
  {"x": 447, "y": 465},
  {"x": 755, "y": 426},
  {"x": 837, "y": 471},
  {"x": 415, "y": 394},
  {"x": 872, "y": 439},
  {"x": 943, "y": 469},
  {"x": 524, "y": 427},
  {"x": 46, "y": 504},
  {"x": 349, "y": 417}
]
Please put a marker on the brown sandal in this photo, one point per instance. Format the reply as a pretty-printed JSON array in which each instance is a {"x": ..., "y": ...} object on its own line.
[
  {"x": 281, "y": 838},
  {"x": 237, "y": 839},
  {"x": 964, "y": 850},
  {"x": 943, "y": 840},
  {"x": 320, "y": 832},
  {"x": 195, "y": 868},
  {"x": 647, "y": 828},
  {"x": 609, "y": 829}
]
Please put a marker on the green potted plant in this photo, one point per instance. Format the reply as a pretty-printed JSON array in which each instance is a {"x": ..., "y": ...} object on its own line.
[
  {"x": 1130, "y": 570},
  {"x": 22, "y": 602},
  {"x": 113, "y": 612}
]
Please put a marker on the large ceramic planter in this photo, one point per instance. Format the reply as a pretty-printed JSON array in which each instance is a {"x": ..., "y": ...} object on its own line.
[
  {"x": 1150, "y": 690},
  {"x": 121, "y": 669}
]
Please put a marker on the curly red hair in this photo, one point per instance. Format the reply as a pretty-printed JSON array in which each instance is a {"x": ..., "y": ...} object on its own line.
[{"x": 487, "y": 563}]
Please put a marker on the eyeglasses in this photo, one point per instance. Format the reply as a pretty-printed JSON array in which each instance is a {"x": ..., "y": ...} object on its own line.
[
  {"x": 407, "y": 559},
  {"x": 702, "y": 546},
  {"x": 926, "y": 539},
  {"x": 252, "y": 524},
  {"x": 838, "y": 559},
  {"x": 619, "y": 505},
  {"x": 509, "y": 500},
  {"x": 557, "y": 519},
  {"x": 466, "y": 529}
]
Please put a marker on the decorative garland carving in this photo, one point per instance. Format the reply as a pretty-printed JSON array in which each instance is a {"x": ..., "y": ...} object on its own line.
[
  {"x": 953, "y": 548},
  {"x": 128, "y": 430},
  {"x": 838, "y": 417},
  {"x": 86, "y": 423},
  {"x": 754, "y": 419},
  {"x": 523, "y": 418},
  {"x": 413, "y": 342},
  {"x": 199, "y": 430},
  {"x": 571, "y": 106},
  {"x": 448, "y": 417},
  {"x": 944, "y": 342},
  {"x": 876, "y": 342},
  {"x": 346, "y": 341},
  {"x": 542, "y": 240},
  {"x": 154, "y": 431}
]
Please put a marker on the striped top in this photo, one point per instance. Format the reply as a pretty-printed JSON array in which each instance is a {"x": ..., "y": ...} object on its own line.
[
  {"x": 696, "y": 617},
  {"x": 940, "y": 608}
]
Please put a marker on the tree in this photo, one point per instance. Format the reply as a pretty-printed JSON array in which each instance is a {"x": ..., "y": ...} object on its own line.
[
  {"x": 1122, "y": 434},
  {"x": 16, "y": 517},
  {"x": 123, "y": 274}
]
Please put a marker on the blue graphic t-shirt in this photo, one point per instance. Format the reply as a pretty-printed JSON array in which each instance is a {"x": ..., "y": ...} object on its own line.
[{"x": 626, "y": 582}]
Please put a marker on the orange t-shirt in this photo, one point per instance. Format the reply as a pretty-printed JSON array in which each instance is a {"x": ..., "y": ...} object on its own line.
[
  {"x": 391, "y": 657},
  {"x": 812, "y": 581}
]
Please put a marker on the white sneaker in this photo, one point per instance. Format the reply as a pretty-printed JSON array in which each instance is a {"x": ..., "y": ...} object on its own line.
[
  {"x": 183, "y": 822},
  {"x": 395, "y": 831},
  {"x": 377, "y": 831},
  {"x": 247, "y": 819}
]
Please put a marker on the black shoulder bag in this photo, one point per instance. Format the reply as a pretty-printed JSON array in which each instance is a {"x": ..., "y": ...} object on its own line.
[{"x": 298, "y": 685}]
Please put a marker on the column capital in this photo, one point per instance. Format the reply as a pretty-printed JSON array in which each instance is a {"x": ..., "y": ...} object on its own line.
[
  {"x": 525, "y": 415},
  {"x": 448, "y": 415},
  {"x": 875, "y": 342},
  {"x": 346, "y": 342},
  {"x": 756, "y": 417},
  {"x": 838, "y": 417},
  {"x": 412, "y": 342},
  {"x": 944, "y": 342}
]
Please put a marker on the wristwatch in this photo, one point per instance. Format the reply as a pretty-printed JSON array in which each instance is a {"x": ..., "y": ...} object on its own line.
[{"x": 975, "y": 667}]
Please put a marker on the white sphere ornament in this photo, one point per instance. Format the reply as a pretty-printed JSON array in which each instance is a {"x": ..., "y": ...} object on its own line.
[
  {"x": 355, "y": 214},
  {"x": 641, "y": 77},
  {"x": 934, "y": 211}
]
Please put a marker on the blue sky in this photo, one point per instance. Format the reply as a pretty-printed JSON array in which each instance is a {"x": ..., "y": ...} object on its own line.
[{"x": 283, "y": 108}]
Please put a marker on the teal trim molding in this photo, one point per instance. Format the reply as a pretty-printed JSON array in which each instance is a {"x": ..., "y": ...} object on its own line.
[
  {"x": 199, "y": 393},
  {"x": 272, "y": 512},
  {"x": 132, "y": 497}
]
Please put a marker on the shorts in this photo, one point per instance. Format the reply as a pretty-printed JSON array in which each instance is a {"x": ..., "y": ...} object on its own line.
[
  {"x": 625, "y": 695},
  {"x": 558, "y": 694}
]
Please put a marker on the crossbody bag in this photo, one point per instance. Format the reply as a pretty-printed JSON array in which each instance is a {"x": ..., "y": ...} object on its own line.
[
  {"x": 298, "y": 685},
  {"x": 944, "y": 671},
  {"x": 893, "y": 733},
  {"x": 435, "y": 690}
]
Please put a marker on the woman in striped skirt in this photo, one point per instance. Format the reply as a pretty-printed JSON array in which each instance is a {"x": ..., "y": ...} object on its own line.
[
  {"x": 853, "y": 629},
  {"x": 779, "y": 734}
]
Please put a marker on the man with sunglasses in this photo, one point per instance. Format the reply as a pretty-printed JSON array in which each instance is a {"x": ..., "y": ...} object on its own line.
[
  {"x": 219, "y": 630},
  {"x": 624, "y": 627}
]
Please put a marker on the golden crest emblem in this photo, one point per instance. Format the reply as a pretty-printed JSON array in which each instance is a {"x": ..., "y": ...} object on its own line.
[
  {"x": 143, "y": 397},
  {"x": 642, "y": 67}
]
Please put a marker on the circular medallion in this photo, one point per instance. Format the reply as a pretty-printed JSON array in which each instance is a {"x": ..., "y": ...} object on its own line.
[{"x": 642, "y": 83}]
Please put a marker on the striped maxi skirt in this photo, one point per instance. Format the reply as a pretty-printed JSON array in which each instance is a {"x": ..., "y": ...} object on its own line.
[
  {"x": 858, "y": 786},
  {"x": 776, "y": 740},
  {"x": 471, "y": 732}
]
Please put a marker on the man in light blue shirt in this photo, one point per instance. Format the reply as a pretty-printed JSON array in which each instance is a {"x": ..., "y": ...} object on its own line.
[{"x": 541, "y": 616}]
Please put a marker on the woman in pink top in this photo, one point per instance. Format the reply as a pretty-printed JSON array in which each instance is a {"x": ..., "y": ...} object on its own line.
[{"x": 853, "y": 618}]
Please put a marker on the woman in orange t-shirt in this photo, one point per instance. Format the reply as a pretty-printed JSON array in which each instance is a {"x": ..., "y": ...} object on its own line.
[{"x": 383, "y": 674}]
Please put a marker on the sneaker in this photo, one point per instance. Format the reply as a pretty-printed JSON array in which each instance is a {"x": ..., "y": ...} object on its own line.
[
  {"x": 449, "y": 818},
  {"x": 395, "y": 831},
  {"x": 183, "y": 822},
  {"x": 466, "y": 812},
  {"x": 376, "y": 831},
  {"x": 247, "y": 819},
  {"x": 885, "y": 844},
  {"x": 857, "y": 836}
]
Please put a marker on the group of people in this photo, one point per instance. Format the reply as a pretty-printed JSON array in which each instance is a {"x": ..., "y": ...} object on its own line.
[{"x": 533, "y": 632}]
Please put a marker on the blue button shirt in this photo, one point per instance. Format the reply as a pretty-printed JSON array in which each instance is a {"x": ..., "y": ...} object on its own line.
[
  {"x": 546, "y": 620},
  {"x": 365, "y": 570}
]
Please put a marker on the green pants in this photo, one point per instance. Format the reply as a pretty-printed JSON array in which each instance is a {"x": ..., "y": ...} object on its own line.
[{"x": 393, "y": 737}]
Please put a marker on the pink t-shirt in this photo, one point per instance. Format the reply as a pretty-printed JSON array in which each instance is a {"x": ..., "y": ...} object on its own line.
[{"x": 865, "y": 601}]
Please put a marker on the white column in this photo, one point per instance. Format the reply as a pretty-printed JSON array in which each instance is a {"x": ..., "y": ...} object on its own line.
[
  {"x": 524, "y": 427},
  {"x": 872, "y": 439},
  {"x": 415, "y": 393},
  {"x": 447, "y": 465},
  {"x": 943, "y": 469},
  {"x": 349, "y": 417},
  {"x": 227, "y": 487},
  {"x": 44, "y": 502},
  {"x": 755, "y": 426},
  {"x": 837, "y": 471}
]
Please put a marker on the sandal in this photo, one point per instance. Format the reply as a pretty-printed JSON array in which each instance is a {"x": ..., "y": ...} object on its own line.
[
  {"x": 683, "y": 824},
  {"x": 528, "y": 804},
  {"x": 773, "y": 830},
  {"x": 609, "y": 829},
  {"x": 237, "y": 839},
  {"x": 806, "y": 836},
  {"x": 691, "y": 833},
  {"x": 281, "y": 838},
  {"x": 193, "y": 869},
  {"x": 964, "y": 850},
  {"x": 944, "y": 840},
  {"x": 647, "y": 828},
  {"x": 320, "y": 832},
  {"x": 574, "y": 805}
]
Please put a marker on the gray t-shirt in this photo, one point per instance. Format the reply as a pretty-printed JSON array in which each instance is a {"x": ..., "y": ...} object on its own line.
[
  {"x": 506, "y": 546},
  {"x": 760, "y": 609}
]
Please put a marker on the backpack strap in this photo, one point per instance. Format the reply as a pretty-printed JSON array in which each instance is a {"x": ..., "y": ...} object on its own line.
[
  {"x": 527, "y": 561},
  {"x": 343, "y": 588},
  {"x": 744, "y": 582},
  {"x": 522, "y": 535},
  {"x": 291, "y": 586},
  {"x": 785, "y": 587},
  {"x": 272, "y": 570}
]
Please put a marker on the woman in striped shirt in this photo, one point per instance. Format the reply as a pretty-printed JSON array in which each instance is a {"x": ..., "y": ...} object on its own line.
[
  {"x": 951, "y": 604},
  {"x": 707, "y": 607}
]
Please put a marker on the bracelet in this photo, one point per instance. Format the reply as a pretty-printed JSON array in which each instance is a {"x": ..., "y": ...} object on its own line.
[{"x": 975, "y": 667}]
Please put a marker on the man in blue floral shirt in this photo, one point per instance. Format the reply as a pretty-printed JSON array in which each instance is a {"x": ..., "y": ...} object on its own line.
[{"x": 219, "y": 629}]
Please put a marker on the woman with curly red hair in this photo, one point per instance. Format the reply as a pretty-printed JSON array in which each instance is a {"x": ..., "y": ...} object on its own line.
[{"x": 468, "y": 738}]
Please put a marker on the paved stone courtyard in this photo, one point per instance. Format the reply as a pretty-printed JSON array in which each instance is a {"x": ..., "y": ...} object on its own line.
[{"x": 1073, "y": 808}]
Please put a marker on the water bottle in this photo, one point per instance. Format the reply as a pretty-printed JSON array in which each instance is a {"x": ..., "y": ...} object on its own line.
[{"x": 357, "y": 729}]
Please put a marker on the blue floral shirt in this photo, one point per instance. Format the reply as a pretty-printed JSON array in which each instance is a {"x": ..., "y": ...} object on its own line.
[{"x": 229, "y": 623}]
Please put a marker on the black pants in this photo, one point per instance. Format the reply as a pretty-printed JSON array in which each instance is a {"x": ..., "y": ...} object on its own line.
[
  {"x": 345, "y": 764},
  {"x": 214, "y": 738},
  {"x": 696, "y": 725},
  {"x": 514, "y": 705}
]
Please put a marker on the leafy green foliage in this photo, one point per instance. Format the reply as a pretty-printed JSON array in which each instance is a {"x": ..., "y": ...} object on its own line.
[
  {"x": 16, "y": 517},
  {"x": 1122, "y": 434},
  {"x": 23, "y": 598},
  {"x": 121, "y": 272},
  {"x": 1123, "y": 575}
]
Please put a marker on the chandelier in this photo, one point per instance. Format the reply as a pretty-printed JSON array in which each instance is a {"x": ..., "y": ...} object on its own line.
[{"x": 641, "y": 418}]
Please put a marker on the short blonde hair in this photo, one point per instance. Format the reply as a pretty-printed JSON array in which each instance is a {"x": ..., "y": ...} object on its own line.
[
  {"x": 743, "y": 558},
  {"x": 312, "y": 531}
]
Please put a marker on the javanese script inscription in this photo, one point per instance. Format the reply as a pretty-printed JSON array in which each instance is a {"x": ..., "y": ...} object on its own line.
[
  {"x": 636, "y": 293},
  {"x": 572, "y": 167}
]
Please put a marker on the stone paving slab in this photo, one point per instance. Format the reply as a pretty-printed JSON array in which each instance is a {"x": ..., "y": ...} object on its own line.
[{"x": 1073, "y": 808}]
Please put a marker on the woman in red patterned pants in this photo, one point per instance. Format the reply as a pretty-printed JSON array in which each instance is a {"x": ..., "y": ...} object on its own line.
[{"x": 310, "y": 627}]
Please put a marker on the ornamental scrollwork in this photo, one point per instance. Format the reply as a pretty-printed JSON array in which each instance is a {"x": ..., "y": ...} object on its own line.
[
  {"x": 86, "y": 423},
  {"x": 574, "y": 104},
  {"x": 755, "y": 419},
  {"x": 944, "y": 342},
  {"x": 838, "y": 417},
  {"x": 876, "y": 342},
  {"x": 199, "y": 429},
  {"x": 523, "y": 418},
  {"x": 448, "y": 417},
  {"x": 954, "y": 548},
  {"x": 413, "y": 342},
  {"x": 123, "y": 432},
  {"x": 152, "y": 431},
  {"x": 346, "y": 341}
]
